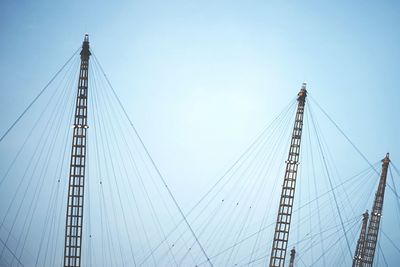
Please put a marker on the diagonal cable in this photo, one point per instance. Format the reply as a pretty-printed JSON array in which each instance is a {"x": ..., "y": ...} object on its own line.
[
  {"x": 37, "y": 96},
  {"x": 351, "y": 142},
  {"x": 153, "y": 163},
  {"x": 330, "y": 181},
  {"x": 12, "y": 253}
]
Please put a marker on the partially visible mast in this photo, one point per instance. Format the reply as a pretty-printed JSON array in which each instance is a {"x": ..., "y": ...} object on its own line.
[
  {"x": 74, "y": 216},
  {"x": 376, "y": 214},
  {"x": 282, "y": 227},
  {"x": 358, "y": 257},
  {"x": 292, "y": 256}
]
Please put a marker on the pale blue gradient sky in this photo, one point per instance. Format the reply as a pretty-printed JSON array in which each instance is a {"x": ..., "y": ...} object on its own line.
[
  {"x": 175, "y": 62},
  {"x": 201, "y": 78}
]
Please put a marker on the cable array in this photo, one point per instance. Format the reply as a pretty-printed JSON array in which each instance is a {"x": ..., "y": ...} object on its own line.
[{"x": 132, "y": 217}]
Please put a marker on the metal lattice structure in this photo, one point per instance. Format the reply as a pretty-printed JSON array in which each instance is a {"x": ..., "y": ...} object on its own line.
[
  {"x": 74, "y": 214},
  {"x": 358, "y": 256},
  {"x": 375, "y": 218},
  {"x": 281, "y": 235}
]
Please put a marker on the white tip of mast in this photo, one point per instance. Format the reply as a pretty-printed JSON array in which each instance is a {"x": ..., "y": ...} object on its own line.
[{"x": 386, "y": 159}]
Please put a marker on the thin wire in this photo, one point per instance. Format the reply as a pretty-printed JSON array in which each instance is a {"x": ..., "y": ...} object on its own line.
[
  {"x": 316, "y": 190},
  {"x": 46, "y": 164},
  {"x": 153, "y": 163},
  {"x": 330, "y": 181},
  {"x": 56, "y": 126},
  {"x": 131, "y": 188},
  {"x": 113, "y": 171},
  {"x": 237, "y": 238},
  {"x": 97, "y": 136},
  {"x": 37, "y": 96},
  {"x": 391, "y": 241},
  {"x": 12, "y": 253},
  {"x": 353, "y": 220},
  {"x": 398, "y": 173},
  {"x": 105, "y": 147},
  {"x": 380, "y": 248},
  {"x": 344, "y": 135},
  {"x": 43, "y": 138},
  {"x": 330, "y": 247},
  {"x": 394, "y": 186},
  {"x": 253, "y": 170},
  {"x": 108, "y": 110},
  {"x": 243, "y": 157}
]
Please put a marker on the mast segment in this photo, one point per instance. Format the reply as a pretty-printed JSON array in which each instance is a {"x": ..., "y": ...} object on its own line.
[
  {"x": 360, "y": 249},
  {"x": 375, "y": 218},
  {"x": 74, "y": 214},
  {"x": 281, "y": 235}
]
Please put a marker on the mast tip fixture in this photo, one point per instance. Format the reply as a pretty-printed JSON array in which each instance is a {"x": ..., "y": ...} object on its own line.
[
  {"x": 386, "y": 159},
  {"x": 366, "y": 215},
  {"x": 303, "y": 92},
  {"x": 85, "y": 53}
]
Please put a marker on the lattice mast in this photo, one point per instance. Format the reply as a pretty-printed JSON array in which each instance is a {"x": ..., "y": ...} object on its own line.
[
  {"x": 292, "y": 256},
  {"x": 281, "y": 236},
  {"x": 74, "y": 214},
  {"x": 375, "y": 218},
  {"x": 360, "y": 249}
]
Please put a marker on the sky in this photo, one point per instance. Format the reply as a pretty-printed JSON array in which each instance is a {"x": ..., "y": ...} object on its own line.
[{"x": 200, "y": 79}]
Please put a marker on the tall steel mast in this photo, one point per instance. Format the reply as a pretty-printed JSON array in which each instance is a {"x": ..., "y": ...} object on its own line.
[
  {"x": 281, "y": 236},
  {"x": 74, "y": 214},
  {"x": 375, "y": 218},
  {"x": 358, "y": 256}
]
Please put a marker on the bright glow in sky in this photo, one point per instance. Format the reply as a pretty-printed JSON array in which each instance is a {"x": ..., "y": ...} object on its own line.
[{"x": 201, "y": 78}]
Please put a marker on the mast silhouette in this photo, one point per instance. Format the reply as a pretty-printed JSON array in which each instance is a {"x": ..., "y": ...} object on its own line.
[
  {"x": 74, "y": 214},
  {"x": 281, "y": 235},
  {"x": 375, "y": 218},
  {"x": 358, "y": 256}
]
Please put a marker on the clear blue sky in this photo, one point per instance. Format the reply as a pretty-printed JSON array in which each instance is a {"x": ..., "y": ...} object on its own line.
[{"x": 201, "y": 78}]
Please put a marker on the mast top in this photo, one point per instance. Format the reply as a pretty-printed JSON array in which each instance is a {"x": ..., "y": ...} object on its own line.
[
  {"x": 365, "y": 215},
  {"x": 85, "y": 53},
  {"x": 386, "y": 159},
  {"x": 303, "y": 92}
]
